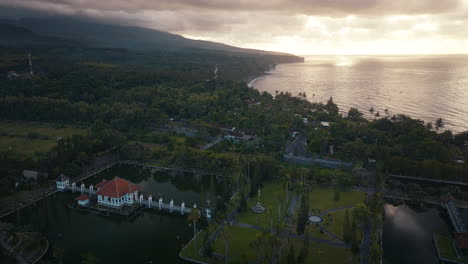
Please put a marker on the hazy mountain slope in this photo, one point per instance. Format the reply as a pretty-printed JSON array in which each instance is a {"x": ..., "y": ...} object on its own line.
[{"x": 114, "y": 36}]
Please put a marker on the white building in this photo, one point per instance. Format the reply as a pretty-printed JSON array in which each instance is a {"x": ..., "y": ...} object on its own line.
[
  {"x": 117, "y": 192},
  {"x": 82, "y": 199},
  {"x": 62, "y": 182}
]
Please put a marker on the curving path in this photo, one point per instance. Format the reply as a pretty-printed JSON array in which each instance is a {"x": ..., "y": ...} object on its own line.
[
  {"x": 333, "y": 210},
  {"x": 289, "y": 234},
  {"x": 336, "y": 209}
]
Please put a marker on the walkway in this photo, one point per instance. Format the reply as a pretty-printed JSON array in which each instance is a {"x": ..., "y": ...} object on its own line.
[
  {"x": 429, "y": 180},
  {"x": 428, "y": 200},
  {"x": 293, "y": 235},
  {"x": 212, "y": 143},
  {"x": 366, "y": 240},
  {"x": 329, "y": 211},
  {"x": 309, "y": 161},
  {"x": 335, "y": 209}
]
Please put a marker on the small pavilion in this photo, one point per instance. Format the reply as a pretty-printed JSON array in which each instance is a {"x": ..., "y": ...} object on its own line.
[
  {"x": 82, "y": 199},
  {"x": 62, "y": 182}
]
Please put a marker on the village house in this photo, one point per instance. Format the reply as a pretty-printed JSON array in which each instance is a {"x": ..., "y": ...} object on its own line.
[
  {"x": 237, "y": 136},
  {"x": 32, "y": 176},
  {"x": 13, "y": 75}
]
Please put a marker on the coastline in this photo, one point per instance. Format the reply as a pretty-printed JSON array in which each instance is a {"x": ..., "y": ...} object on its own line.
[{"x": 250, "y": 81}]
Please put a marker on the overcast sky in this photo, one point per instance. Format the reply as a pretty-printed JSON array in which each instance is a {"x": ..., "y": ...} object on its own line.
[{"x": 295, "y": 26}]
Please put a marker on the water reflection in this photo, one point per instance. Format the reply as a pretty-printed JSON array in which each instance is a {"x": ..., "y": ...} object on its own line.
[
  {"x": 151, "y": 237},
  {"x": 408, "y": 234}
]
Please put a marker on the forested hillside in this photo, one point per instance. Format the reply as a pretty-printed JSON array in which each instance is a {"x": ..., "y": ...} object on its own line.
[{"x": 124, "y": 98}]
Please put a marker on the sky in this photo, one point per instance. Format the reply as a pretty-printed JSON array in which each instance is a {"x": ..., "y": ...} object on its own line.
[{"x": 294, "y": 26}]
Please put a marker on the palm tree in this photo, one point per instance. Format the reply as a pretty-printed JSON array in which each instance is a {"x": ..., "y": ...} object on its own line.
[
  {"x": 226, "y": 245},
  {"x": 194, "y": 216},
  {"x": 82, "y": 158},
  {"x": 89, "y": 258},
  {"x": 439, "y": 124},
  {"x": 429, "y": 126},
  {"x": 58, "y": 254},
  {"x": 371, "y": 110},
  {"x": 286, "y": 181}
]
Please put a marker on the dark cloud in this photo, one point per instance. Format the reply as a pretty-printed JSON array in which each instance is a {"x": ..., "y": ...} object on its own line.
[
  {"x": 283, "y": 25},
  {"x": 308, "y": 7}
]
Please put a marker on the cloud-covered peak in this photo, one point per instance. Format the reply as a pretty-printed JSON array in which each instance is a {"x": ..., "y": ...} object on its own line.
[{"x": 298, "y": 26}]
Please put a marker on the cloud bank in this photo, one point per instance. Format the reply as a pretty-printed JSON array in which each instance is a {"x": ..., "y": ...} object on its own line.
[{"x": 300, "y": 26}]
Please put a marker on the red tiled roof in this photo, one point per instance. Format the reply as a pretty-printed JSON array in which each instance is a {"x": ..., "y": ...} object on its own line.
[
  {"x": 462, "y": 240},
  {"x": 101, "y": 184},
  {"x": 117, "y": 188},
  {"x": 82, "y": 197}
]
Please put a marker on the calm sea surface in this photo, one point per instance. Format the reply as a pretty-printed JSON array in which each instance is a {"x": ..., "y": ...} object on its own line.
[{"x": 423, "y": 87}]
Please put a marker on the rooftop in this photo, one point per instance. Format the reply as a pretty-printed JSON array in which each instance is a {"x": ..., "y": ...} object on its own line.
[
  {"x": 461, "y": 240},
  {"x": 101, "y": 184},
  {"x": 117, "y": 188},
  {"x": 82, "y": 197}
]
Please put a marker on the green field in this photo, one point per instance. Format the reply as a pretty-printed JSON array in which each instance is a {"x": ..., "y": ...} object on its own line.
[
  {"x": 322, "y": 198},
  {"x": 323, "y": 254},
  {"x": 446, "y": 248},
  {"x": 31, "y": 137},
  {"x": 272, "y": 197},
  {"x": 239, "y": 240}
]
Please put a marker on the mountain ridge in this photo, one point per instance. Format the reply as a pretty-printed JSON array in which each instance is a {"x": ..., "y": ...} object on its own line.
[{"x": 118, "y": 36}]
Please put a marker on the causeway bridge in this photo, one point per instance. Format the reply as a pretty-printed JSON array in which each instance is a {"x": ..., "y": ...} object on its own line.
[{"x": 141, "y": 200}]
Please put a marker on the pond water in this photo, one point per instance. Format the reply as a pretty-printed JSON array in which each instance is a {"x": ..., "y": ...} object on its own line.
[
  {"x": 151, "y": 237},
  {"x": 408, "y": 231}
]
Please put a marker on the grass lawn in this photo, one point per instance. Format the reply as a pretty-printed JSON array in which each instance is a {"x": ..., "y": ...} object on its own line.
[
  {"x": 334, "y": 222},
  {"x": 322, "y": 198},
  {"x": 446, "y": 250},
  {"x": 322, "y": 253},
  {"x": 53, "y": 130},
  {"x": 239, "y": 244},
  {"x": 272, "y": 197},
  {"x": 26, "y": 145},
  {"x": 191, "y": 252},
  {"x": 15, "y": 135}
]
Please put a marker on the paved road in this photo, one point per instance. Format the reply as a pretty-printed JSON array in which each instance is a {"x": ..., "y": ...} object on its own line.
[{"x": 298, "y": 147}]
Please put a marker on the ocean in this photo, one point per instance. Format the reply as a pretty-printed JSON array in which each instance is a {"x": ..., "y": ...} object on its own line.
[{"x": 425, "y": 87}]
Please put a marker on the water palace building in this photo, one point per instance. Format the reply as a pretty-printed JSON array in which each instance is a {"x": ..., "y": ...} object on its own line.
[{"x": 116, "y": 192}]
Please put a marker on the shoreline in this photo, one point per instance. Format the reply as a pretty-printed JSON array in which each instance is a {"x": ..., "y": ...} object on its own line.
[{"x": 250, "y": 81}]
